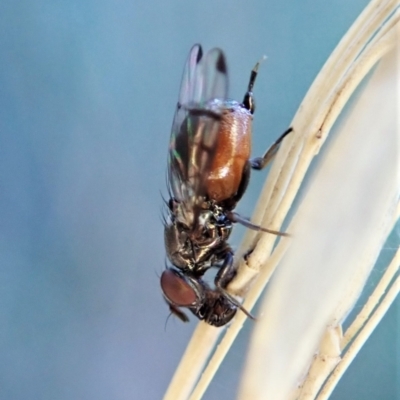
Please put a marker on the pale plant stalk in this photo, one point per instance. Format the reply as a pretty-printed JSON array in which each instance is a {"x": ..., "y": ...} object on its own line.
[
  {"x": 311, "y": 127},
  {"x": 360, "y": 339},
  {"x": 339, "y": 229},
  {"x": 346, "y": 67},
  {"x": 373, "y": 300},
  {"x": 328, "y": 362}
]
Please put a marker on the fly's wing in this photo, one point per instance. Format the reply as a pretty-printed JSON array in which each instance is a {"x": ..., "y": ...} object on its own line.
[{"x": 195, "y": 130}]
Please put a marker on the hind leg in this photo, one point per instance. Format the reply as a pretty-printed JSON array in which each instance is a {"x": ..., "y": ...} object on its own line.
[{"x": 259, "y": 163}]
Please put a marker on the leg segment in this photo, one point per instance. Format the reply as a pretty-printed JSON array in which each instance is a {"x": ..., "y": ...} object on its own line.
[
  {"x": 224, "y": 277},
  {"x": 235, "y": 217},
  {"x": 261, "y": 162}
]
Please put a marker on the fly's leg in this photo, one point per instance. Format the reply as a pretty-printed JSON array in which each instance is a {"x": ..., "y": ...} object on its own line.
[
  {"x": 226, "y": 272},
  {"x": 224, "y": 276},
  {"x": 259, "y": 163},
  {"x": 235, "y": 217}
]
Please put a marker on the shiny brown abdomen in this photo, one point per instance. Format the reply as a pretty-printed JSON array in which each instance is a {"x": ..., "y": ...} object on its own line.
[{"x": 232, "y": 154}]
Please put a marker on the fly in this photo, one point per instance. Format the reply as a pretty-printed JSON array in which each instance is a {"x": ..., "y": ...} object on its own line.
[{"x": 208, "y": 172}]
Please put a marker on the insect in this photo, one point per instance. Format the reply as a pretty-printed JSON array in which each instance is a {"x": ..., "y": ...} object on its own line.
[{"x": 208, "y": 172}]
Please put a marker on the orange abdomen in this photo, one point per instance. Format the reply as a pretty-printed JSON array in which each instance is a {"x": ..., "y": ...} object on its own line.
[{"x": 232, "y": 154}]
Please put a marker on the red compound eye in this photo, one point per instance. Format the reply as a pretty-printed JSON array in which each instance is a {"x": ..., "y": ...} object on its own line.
[{"x": 176, "y": 289}]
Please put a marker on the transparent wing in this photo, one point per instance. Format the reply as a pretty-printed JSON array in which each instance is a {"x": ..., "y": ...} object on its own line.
[{"x": 195, "y": 129}]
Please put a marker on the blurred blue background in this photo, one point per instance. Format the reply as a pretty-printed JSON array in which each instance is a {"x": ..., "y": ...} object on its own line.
[{"x": 87, "y": 96}]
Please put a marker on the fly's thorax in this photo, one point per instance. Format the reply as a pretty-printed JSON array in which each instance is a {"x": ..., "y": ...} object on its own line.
[
  {"x": 178, "y": 247},
  {"x": 200, "y": 246}
]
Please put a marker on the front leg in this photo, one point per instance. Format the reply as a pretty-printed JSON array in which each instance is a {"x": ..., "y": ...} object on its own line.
[
  {"x": 224, "y": 276},
  {"x": 226, "y": 272}
]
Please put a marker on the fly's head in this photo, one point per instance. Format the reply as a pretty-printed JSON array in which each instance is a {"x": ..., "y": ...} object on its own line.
[
  {"x": 188, "y": 291},
  {"x": 216, "y": 310}
]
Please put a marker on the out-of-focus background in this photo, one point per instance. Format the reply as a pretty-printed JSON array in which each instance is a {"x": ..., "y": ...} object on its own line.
[{"x": 87, "y": 96}]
